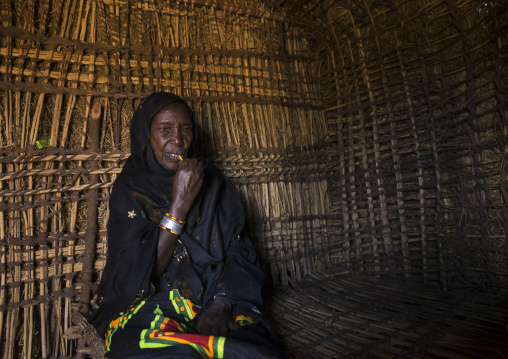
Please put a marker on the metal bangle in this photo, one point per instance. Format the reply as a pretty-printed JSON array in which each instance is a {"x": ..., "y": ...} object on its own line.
[
  {"x": 175, "y": 219},
  {"x": 171, "y": 224}
]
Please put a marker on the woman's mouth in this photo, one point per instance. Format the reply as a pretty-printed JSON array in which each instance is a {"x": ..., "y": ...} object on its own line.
[{"x": 174, "y": 156}]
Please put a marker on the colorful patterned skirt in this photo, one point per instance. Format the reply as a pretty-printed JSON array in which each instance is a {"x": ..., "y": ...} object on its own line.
[{"x": 162, "y": 327}]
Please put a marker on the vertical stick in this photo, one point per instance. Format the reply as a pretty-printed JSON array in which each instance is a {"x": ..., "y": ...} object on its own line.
[
  {"x": 91, "y": 228},
  {"x": 3, "y": 263}
]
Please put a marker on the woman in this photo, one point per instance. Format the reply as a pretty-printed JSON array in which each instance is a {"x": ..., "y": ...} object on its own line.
[{"x": 181, "y": 279}]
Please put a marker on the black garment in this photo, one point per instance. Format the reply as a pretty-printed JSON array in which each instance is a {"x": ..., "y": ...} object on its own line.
[
  {"x": 132, "y": 242},
  {"x": 220, "y": 258}
]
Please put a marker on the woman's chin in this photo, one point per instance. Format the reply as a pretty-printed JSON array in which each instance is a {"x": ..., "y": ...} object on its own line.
[{"x": 171, "y": 165}]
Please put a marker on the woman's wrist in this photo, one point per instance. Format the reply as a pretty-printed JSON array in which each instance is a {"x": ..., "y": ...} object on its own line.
[
  {"x": 178, "y": 211},
  {"x": 222, "y": 303}
]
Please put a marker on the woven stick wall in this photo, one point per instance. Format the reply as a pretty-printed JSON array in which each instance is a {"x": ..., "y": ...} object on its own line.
[
  {"x": 370, "y": 134},
  {"x": 252, "y": 84},
  {"x": 416, "y": 106}
]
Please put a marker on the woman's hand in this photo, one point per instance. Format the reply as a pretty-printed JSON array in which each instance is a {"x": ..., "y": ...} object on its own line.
[
  {"x": 217, "y": 319},
  {"x": 186, "y": 185}
]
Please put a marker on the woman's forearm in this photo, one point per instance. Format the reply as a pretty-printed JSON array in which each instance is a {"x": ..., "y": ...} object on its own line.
[
  {"x": 167, "y": 242},
  {"x": 186, "y": 185},
  {"x": 165, "y": 250}
]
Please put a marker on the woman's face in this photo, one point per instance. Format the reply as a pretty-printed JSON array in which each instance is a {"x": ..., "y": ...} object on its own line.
[{"x": 171, "y": 135}]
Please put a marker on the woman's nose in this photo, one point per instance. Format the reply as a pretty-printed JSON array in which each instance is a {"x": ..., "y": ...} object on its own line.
[{"x": 176, "y": 136}]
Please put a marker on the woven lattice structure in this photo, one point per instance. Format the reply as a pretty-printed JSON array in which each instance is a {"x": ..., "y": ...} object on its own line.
[{"x": 364, "y": 137}]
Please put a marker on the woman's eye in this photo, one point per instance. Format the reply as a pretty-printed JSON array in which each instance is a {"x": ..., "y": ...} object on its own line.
[{"x": 187, "y": 129}]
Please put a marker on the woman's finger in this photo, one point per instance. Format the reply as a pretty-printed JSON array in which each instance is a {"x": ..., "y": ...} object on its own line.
[
  {"x": 224, "y": 331},
  {"x": 214, "y": 330},
  {"x": 233, "y": 325}
]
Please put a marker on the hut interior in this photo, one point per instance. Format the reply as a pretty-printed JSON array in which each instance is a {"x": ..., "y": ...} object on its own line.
[{"x": 367, "y": 139}]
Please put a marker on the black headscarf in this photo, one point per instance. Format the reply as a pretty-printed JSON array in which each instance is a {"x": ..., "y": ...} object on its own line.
[{"x": 213, "y": 234}]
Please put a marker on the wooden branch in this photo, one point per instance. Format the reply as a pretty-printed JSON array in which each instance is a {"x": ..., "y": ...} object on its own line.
[{"x": 91, "y": 230}]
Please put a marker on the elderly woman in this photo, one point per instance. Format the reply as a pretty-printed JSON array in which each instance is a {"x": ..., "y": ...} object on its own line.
[{"x": 181, "y": 279}]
